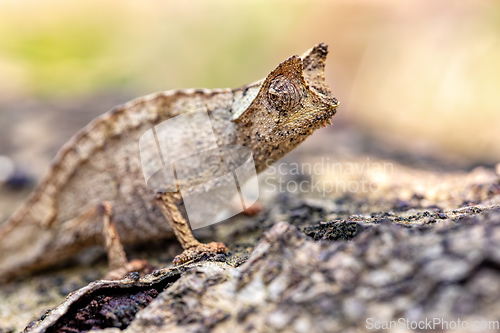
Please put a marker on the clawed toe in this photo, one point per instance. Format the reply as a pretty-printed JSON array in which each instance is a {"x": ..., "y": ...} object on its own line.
[
  {"x": 198, "y": 250},
  {"x": 140, "y": 266}
]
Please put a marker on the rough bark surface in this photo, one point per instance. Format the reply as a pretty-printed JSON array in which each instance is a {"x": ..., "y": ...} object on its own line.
[{"x": 324, "y": 277}]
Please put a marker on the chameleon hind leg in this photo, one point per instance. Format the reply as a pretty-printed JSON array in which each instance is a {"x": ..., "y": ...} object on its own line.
[
  {"x": 192, "y": 247},
  {"x": 117, "y": 259}
]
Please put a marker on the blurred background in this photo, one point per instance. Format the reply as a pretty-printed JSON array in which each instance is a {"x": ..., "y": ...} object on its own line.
[
  {"x": 413, "y": 78},
  {"x": 418, "y": 83}
]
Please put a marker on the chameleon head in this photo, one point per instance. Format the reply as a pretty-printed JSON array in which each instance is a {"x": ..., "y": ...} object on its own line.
[{"x": 286, "y": 107}]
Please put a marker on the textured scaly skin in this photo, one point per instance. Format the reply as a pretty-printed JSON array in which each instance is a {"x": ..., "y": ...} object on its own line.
[{"x": 101, "y": 163}]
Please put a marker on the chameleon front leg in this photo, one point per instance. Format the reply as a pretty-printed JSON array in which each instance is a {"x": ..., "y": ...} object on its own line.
[{"x": 192, "y": 247}]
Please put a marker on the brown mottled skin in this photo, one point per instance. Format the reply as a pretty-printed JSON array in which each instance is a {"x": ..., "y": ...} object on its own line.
[{"x": 95, "y": 191}]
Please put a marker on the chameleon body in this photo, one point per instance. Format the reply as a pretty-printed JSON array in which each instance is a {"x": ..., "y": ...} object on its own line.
[{"x": 101, "y": 163}]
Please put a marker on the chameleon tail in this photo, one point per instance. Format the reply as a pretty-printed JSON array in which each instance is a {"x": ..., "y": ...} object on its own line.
[{"x": 24, "y": 237}]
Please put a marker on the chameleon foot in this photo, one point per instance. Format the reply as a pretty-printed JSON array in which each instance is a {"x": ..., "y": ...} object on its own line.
[
  {"x": 199, "y": 249},
  {"x": 192, "y": 247},
  {"x": 140, "y": 266}
]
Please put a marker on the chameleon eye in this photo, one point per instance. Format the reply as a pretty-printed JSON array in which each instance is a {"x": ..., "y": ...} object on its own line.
[
  {"x": 273, "y": 95},
  {"x": 283, "y": 94}
]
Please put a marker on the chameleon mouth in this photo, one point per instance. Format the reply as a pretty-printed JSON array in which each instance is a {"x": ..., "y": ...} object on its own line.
[
  {"x": 326, "y": 96},
  {"x": 327, "y": 109},
  {"x": 320, "y": 114}
]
